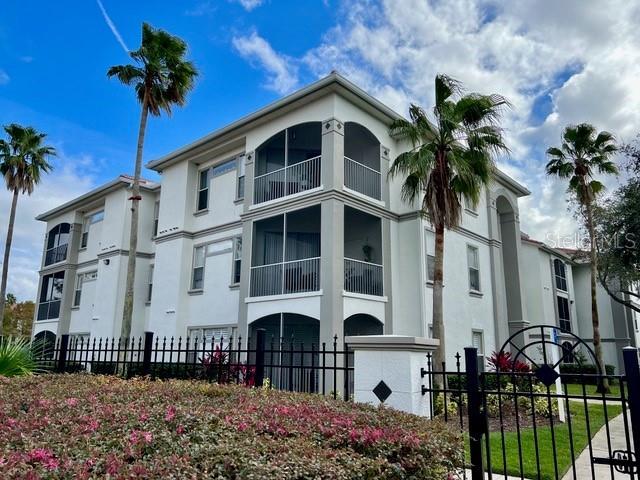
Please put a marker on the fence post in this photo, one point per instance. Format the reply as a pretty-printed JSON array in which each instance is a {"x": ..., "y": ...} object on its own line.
[
  {"x": 474, "y": 412},
  {"x": 260, "y": 343},
  {"x": 632, "y": 374},
  {"x": 62, "y": 353},
  {"x": 146, "y": 356}
]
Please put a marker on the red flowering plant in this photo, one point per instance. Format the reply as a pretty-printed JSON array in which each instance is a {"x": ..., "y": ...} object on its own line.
[
  {"x": 503, "y": 363},
  {"x": 218, "y": 366},
  {"x": 91, "y": 426}
]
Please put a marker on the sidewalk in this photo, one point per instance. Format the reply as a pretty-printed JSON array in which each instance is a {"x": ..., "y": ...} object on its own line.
[{"x": 601, "y": 449}]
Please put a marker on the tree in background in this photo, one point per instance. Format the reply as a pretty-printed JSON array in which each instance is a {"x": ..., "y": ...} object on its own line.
[
  {"x": 23, "y": 160},
  {"x": 18, "y": 317},
  {"x": 618, "y": 230},
  {"x": 161, "y": 77},
  {"x": 450, "y": 160},
  {"x": 583, "y": 153}
]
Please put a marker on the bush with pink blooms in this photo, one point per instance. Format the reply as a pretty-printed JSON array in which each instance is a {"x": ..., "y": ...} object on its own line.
[{"x": 83, "y": 426}]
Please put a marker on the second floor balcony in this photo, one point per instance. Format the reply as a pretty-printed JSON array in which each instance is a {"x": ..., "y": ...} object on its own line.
[{"x": 286, "y": 253}]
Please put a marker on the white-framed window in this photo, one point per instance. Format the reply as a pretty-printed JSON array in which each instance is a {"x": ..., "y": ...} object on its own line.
[
  {"x": 156, "y": 216},
  {"x": 560, "y": 273},
  {"x": 564, "y": 317},
  {"x": 86, "y": 226},
  {"x": 237, "y": 259},
  {"x": 150, "y": 283},
  {"x": 223, "y": 168},
  {"x": 430, "y": 250},
  {"x": 84, "y": 238},
  {"x": 197, "y": 277},
  {"x": 468, "y": 205},
  {"x": 477, "y": 341},
  {"x": 474, "y": 268},
  {"x": 81, "y": 279},
  {"x": 240, "y": 180},
  {"x": 204, "y": 176},
  {"x": 77, "y": 293}
]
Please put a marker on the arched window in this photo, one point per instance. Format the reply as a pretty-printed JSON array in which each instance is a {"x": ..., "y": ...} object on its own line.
[
  {"x": 57, "y": 243},
  {"x": 44, "y": 344},
  {"x": 567, "y": 353},
  {"x": 560, "y": 274}
]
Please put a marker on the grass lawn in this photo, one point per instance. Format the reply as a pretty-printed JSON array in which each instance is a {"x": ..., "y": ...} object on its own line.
[
  {"x": 576, "y": 389},
  {"x": 546, "y": 454}
]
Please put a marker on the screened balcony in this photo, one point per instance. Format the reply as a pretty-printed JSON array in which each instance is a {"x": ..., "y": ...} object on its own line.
[
  {"x": 286, "y": 254},
  {"x": 288, "y": 163},
  {"x": 57, "y": 244},
  {"x": 363, "y": 271},
  {"x": 362, "y": 161}
]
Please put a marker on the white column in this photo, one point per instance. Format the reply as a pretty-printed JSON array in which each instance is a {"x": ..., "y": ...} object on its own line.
[{"x": 392, "y": 364}]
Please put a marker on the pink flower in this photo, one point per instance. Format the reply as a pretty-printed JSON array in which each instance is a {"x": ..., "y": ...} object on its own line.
[
  {"x": 171, "y": 413},
  {"x": 51, "y": 464},
  {"x": 143, "y": 417},
  {"x": 180, "y": 430},
  {"x": 71, "y": 402},
  {"x": 242, "y": 426},
  {"x": 147, "y": 437}
]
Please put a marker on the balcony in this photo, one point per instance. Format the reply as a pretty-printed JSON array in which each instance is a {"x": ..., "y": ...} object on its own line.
[
  {"x": 55, "y": 255},
  {"x": 288, "y": 163},
  {"x": 286, "y": 254},
  {"x": 296, "y": 276},
  {"x": 362, "y": 161},
  {"x": 362, "y": 179},
  {"x": 363, "y": 270},
  {"x": 363, "y": 277},
  {"x": 289, "y": 180}
]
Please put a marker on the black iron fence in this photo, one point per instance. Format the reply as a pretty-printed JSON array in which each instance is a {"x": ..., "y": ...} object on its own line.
[
  {"x": 284, "y": 364},
  {"x": 529, "y": 420}
]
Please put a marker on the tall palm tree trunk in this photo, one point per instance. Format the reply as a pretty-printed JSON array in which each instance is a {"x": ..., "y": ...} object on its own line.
[
  {"x": 438, "y": 276},
  {"x": 127, "y": 313},
  {"x": 7, "y": 251},
  {"x": 603, "y": 385}
]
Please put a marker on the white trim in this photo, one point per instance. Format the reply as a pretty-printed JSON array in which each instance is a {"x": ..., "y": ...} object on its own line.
[
  {"x": 287, "y": 197},
  {"x": 362, "y": 296},
  {"x": 286, "y": 296},
  {"x": 363, "y": 196}
]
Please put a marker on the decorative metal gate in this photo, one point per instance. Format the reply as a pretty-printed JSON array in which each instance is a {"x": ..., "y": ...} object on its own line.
[{"x": 536, "y": 409}]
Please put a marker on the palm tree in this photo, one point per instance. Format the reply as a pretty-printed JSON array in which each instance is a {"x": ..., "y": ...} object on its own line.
[
  {"x": 583, "y": 152},
  {"x": 162, "y": 78},
  {"x": 23, "y": 159},
  {"x": 450, "y": 159}
]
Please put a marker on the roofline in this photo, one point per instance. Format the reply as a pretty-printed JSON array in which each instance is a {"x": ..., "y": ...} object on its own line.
[
  {"x": 332, "y": 78},
  {"x": 94, "y": 195},
  {"x": 520, "y": 189},
  {"x": 543, "y": 246}
]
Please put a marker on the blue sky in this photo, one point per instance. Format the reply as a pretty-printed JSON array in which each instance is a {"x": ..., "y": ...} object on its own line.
[{"x": 557, "y": 62}]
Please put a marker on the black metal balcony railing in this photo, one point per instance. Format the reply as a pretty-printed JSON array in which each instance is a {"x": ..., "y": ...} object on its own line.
[{"x": 55, "y": 254}]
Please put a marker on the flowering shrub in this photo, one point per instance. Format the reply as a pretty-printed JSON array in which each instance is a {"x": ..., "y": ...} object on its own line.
[
  {"x": 89, "y": 426},
  {"x": 502, "y": 362},
  {"x": 217, "y": 366}
]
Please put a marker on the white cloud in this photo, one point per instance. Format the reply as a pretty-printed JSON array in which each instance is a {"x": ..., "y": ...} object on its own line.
[
  {"x": 65, "y": 182},
  {"x": 4, "y": 77},
  {"x": 249, "y": 5},
  {"x": 583, "y": 59},
  {"x": 112, "y": 26},
  {"x": 201, "y": 9},
  {"x": 282, "y": 72}
]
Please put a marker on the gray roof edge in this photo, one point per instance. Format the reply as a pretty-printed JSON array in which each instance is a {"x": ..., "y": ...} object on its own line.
[
  {"x": 332, "y": 78},
  {"x": 94, "y": 194}
]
